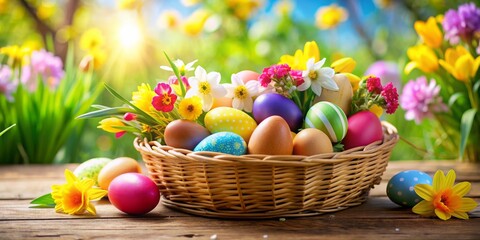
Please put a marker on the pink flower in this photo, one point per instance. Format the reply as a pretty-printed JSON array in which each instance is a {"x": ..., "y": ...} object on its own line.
[
  {"x": 174, "y": 80},
  {"x": 389, "y": 93},
  {"x": 374, "y": 85},
  {"x": 274, "y": 72},
  {"x": 129, "y": 116},
  {"x": 421, "y": 100},
  {"x": 7, "y": 85},
  {"x": 165, "y": 100},
  {"x": 297, "y": 77},
  {"x": 46, "y": 65}
]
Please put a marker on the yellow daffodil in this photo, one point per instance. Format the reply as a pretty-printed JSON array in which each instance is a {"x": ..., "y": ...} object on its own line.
[
  {"x": 344, "y": 65},
  {"x": 460, "y": 63},
  {"x": 299, "y": 60},
  {"x": 443, "y": 199},
  {"x": 16, "y": 53},
  {"x": 110, "y": 124},
  {"x": 143, "y": 98},
  {"x": 75, "y": 195},
  {"x": 193, "y": 25},
  {"x": 423, "y": 58},
  {"x": 354, "y": 80},
  {"x": 169, "y": 19},
  {"x": 243, "y": 9},
  {"x": 330, "y": 16},
  {"x": 190, "y": 108},
  {"x": 91, "y": 40},
  {"x": 429, "y": 32}
]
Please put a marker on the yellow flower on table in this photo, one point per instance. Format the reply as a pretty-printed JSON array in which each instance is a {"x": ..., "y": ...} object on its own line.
[
  {"x": 460, "y": 63},
  {"x": 423, "y": 58},
  {"x": 190, "y": 108},
  {"x": 443, "y": 199},
  {"x": 299, "y": 60},
  {"x": 75, "y": 195},
  {"x": 330, "y": 16},
  {"x": 429, "y": 32}
]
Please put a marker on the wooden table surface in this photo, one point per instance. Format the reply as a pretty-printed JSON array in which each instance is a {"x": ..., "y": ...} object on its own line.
[{"x": 375, "y": 219}]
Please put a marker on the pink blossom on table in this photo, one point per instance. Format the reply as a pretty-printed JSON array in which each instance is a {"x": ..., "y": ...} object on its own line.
[
  {"x": 165, "y": 100},
  {"x": 129, "y": 116},
  {"x": 7, "y": 85},
  {"x": 390, "y": 94},
  {"x": 45, "y": 65},
  {"x": 273, "y": 72},
  {"x": 174, "y": 80},
  {"x": 421, "y": 99},
  {"x": 374, "y": 85},
  {"x": 386, "y": 71}
]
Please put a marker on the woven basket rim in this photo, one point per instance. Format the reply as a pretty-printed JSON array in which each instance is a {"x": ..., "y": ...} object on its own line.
[{"x": 156, "y": 148}]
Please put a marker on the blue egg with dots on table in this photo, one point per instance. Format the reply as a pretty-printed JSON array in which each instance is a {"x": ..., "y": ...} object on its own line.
[
  {"x": 223, "y": 142},
  {"x": 400, "y": 188}
]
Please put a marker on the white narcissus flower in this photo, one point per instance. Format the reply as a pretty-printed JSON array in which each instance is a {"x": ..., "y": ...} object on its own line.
[
  {"x": 182, "y": 68},
  {"x": 318, "y": 77},
  {"x": 242, "y": 93},
  {"x": 206, "y": 86}
]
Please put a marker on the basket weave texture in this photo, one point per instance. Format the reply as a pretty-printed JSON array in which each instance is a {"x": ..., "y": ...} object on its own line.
[{"x": 261, "y": 186}]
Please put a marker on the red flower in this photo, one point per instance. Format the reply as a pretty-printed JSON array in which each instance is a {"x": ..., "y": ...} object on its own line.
[
  {"x": 129, "y": 116},
  {"x": 297, "y": 77},
  {"x": 389, "y": 93},
  {"x": 374, "y": 85},
  {"x": 165, "y": 100}
]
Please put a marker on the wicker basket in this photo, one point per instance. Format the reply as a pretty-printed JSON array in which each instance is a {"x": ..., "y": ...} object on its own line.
[{"x": 260, "y": 186}]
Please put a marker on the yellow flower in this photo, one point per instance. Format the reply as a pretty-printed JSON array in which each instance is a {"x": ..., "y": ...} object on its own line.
[
  {"x": 91, "y": 40},
  {"x": 354, "y": 80},
  {"x": 299, "y": 60},
  {"x": 423, "y": 58},
  {"x": 143, "y": 98},
  {"x": 74, "y": 196},
  {"x": 169, "y": 19},
  {"x": 344, "y": 65},
  {"x": 46, "y": 10},
  {"x": 16, "y": 53},
  {"x": 444, "y": 199},
  {"x": 377, "y": 110},
  {"x": 190, "y": 108},
  {"x": 243, "y": 9},
  {"x": 460, "y": 63},
  {"x": 129, "y": 4},
  {"x": 330, "y": 16},
  {"x": 429, "y": 32},
  {"x": 110, "y": 124},
  {"x": 195, "y": 22}
]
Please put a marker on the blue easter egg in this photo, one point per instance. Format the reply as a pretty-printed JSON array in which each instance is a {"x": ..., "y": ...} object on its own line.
[
  {"x": 224, "y": 142},
  {"x": 400, "y": 188}
]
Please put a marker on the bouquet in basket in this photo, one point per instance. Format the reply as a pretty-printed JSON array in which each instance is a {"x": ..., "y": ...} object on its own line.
[{"x": 299, "y": 106}]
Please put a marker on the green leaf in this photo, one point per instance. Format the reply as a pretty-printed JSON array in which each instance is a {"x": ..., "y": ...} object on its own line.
[
  {"x": 476, "y": 87},
  {"x": 105, "y": 112},
  {"x": 177, "y": 73},
  {"x": 44, "y": 201},
  {"x": 466, "y": 126},
  {"x": 456, "y": 98},
  {"x": 4, "y": 131}
]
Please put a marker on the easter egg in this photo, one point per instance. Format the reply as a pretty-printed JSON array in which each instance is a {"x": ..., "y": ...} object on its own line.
[
  {"x": 271, "y": 104},
  {"x": 223, "y": 142},
  {"x": 311, "y": 141},
  {"x": 225, "y": 119},
  {"x": 133, "y": 193},
  {"x": 328, "y": 118},
  {"x": 115, "y": 168},
  {"x": 271, "y": 137},
  {"x": 342, "y": 97},
  {"x": 363, "y": 128},
  {"x": 185, "y": 134},
  {"x": 248, "y": 75},
  {"x": 400, "y": 188},
  {"x": 91, "y": 168}
]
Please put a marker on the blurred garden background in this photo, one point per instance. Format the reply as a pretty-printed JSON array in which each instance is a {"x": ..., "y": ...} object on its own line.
[{"x": 122, "y": 43}]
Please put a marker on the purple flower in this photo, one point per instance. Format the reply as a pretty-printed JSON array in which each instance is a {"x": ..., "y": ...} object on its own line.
[
  {"x": 7, "y": 85},
  {"x": 386, "y": 71},
  {"x": 420, "y": 100},
  {"x": 462, "y": 24},
  {"x": 45, "y": 65}
]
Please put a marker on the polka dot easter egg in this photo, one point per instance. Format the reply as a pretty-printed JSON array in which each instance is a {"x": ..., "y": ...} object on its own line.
[
  {"x": 226, "y": 119},
  {"x": 328, "y": 118},
  {"x": 224, "y": 142},
  {"x": 400, "y": 188}
]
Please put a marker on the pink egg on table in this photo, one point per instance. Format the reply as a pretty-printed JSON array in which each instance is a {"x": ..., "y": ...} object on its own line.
[
  {"x": 363, "y": 128},
  {"x": 133, "y": 193}
]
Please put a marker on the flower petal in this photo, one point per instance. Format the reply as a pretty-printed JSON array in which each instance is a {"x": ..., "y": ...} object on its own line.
[
  {"x": 91, "y": 209},
  {"x": 467, "y": 205},
  {"x": 69, "y": 176},
  {"x": 316, "y": 88},
  {"x": 200, "y": 74},
  {"x": 166, "y": 68},
  {"x": 461, "y": 215},
  {"x": 214, "y": 78},
  {"x": 96, "y": 193},
  {"x": 248, "y": 105},
  {"x": 438, "y": 181},
  {"x": 425, "y": 191},
  {"x": 450, "y": 179},
  {"x": 252, "y": 87},
  {"x": 442, "y": 215},
  {"x": 424, "y": 208},
  {"x": 236, "y": 81},
  {"x": 462, "y": 188},
  {"x": 218, "y": 91},
  {"x": 207, "y": 102}
]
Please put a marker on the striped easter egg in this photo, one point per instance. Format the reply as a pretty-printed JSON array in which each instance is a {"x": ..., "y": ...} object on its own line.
[{"x": 329, "y": 118}]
